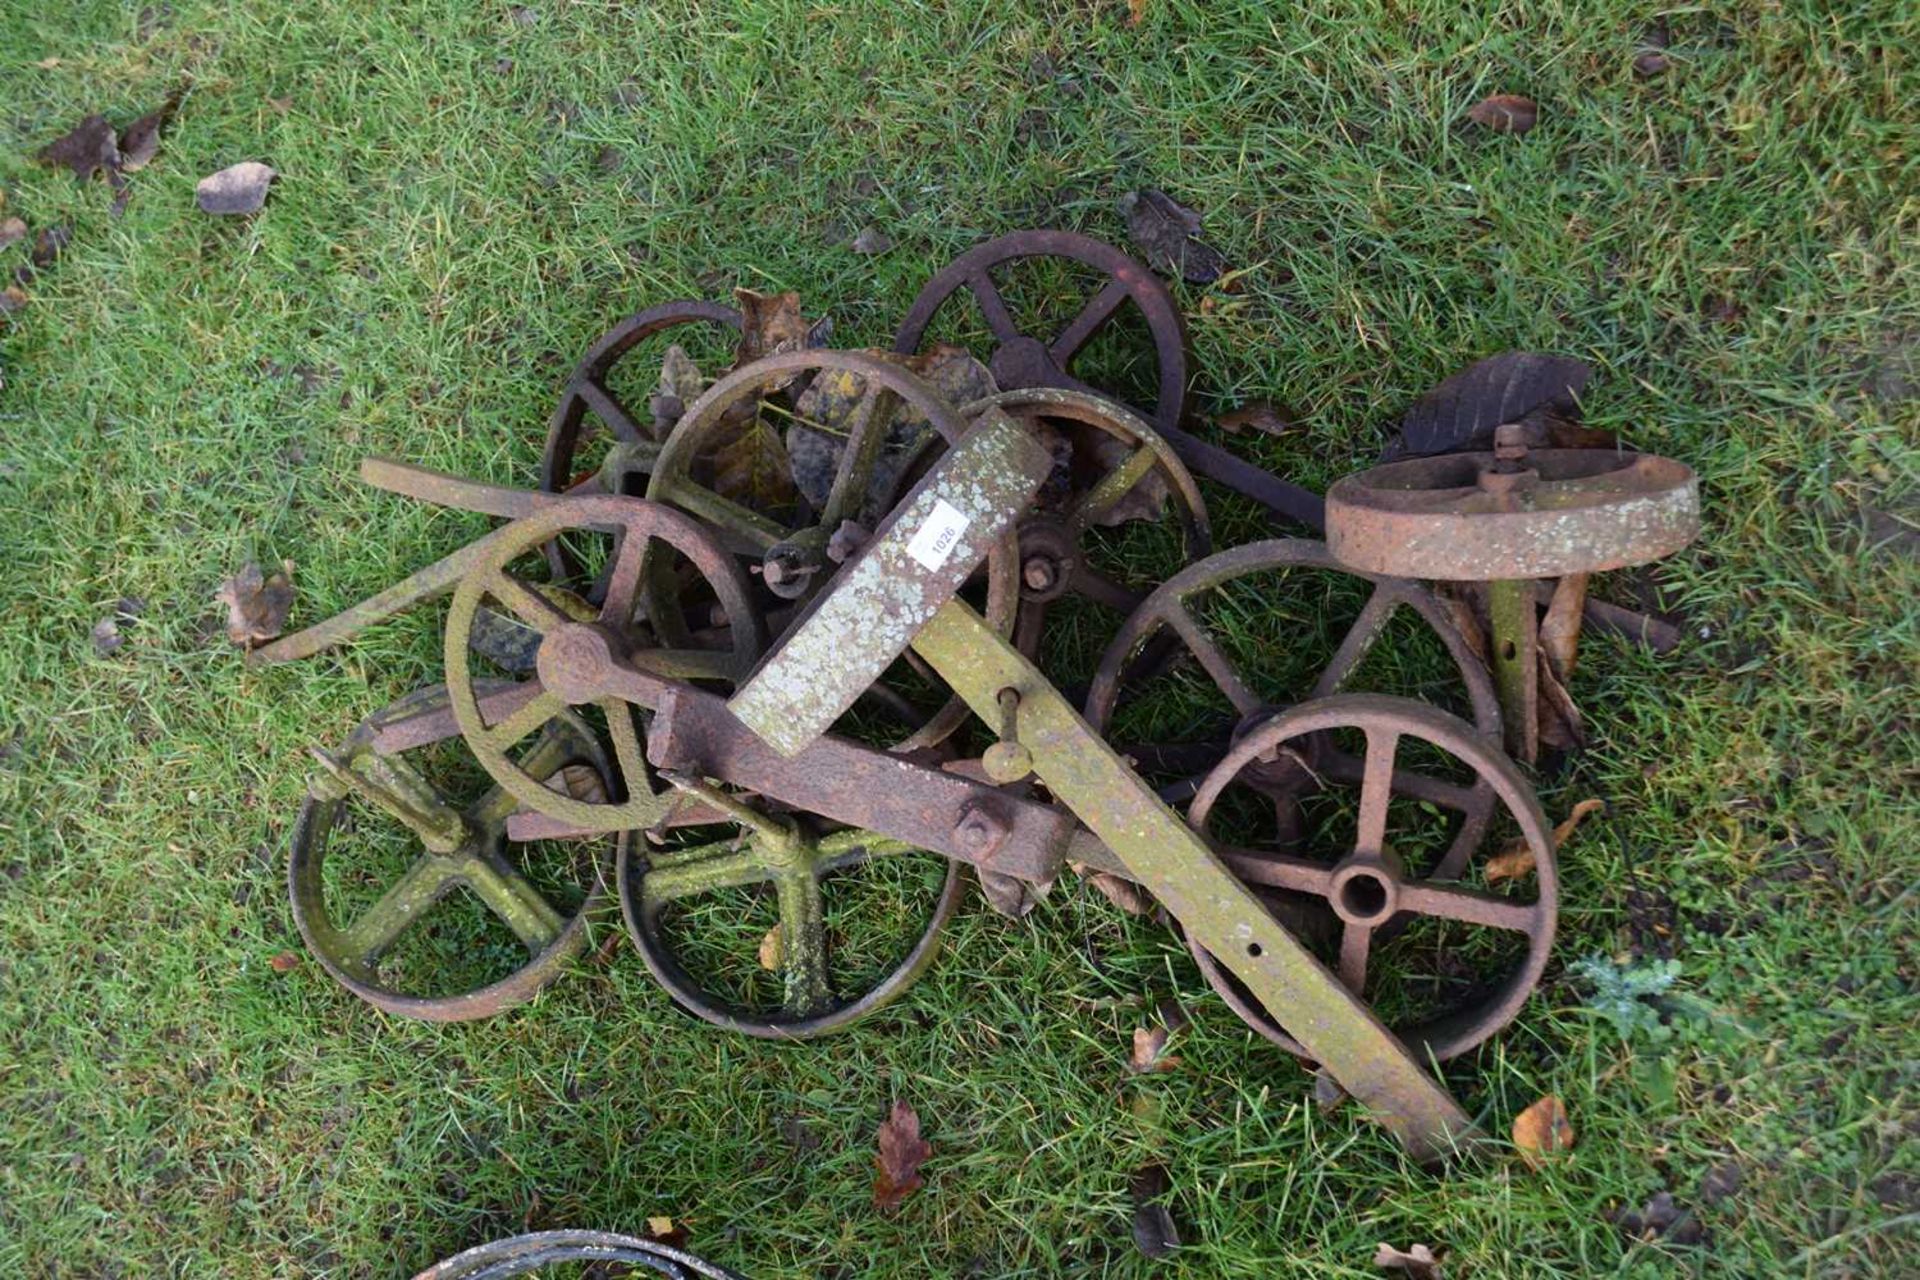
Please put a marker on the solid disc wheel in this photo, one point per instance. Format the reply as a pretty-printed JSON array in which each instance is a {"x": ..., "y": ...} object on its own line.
[
  {"x": 791, "y": 545},
  {"x": 1365, "y": 883},
  {"x": 460, "y": 846},
  {"x": 1057, "y": 550},
  {"x": 608, "y": 661},
  {"x": 1023, "y": 361},
  {"x": 588, "y": 397},
  {"x": 1174, "y": 612},
  {"x": 1470, "y": 517},
  {"x": 798, "y": 869}
]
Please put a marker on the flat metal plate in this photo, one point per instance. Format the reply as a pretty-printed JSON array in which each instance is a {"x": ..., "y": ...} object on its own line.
[{"x": 917, "y": 560}]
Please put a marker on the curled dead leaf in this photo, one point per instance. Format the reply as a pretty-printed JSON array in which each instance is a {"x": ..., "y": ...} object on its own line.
[
  {"x": 1124, "y": 894},
  {"x": 285, "y": 962},
  {"x": 664, "y": 1230},
  {"x": 1420, "y": 1262},
  {"x": 901, "y": 1153},
  {"x": 772, "y": 949},
  {"x": 1543, "y": 1131},
  {"x": 256, "y": 604},
  {"x": 1167, "y": 233},
  {"x": 1260, "y": 416},
  {"x": 1150, "y": 1052},
  {"x": 12, "y": 229},
  {"x": 1505, "y": 113},
  {"x": 1154, "y": 1231},
  {"x": 88, "y": 148},
  {"x": 1560, "y": 629},
  {"x": 1516, "y": 858}
]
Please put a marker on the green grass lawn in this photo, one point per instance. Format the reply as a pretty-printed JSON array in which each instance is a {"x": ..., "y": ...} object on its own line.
[{"x": 470, "y": 193}]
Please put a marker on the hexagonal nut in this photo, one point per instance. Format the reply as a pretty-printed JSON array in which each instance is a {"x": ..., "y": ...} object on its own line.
[{"x": 979, "y": 833}]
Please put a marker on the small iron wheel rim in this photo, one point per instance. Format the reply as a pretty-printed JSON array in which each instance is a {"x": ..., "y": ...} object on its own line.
[
  {"x": 1452, "y": 1033},
  {"x": 643, "y": 929},
  {"x": 309, "y": 850}
]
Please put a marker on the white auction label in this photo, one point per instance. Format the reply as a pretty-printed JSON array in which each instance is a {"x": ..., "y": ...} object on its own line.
[{"x": 933, "y": 545}]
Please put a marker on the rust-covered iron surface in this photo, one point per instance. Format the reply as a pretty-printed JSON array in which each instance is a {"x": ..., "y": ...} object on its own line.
[
  {"x": 1021, "y": 361},
  {"x": 916, "y": 561},
  {"x": 1468, "y": 517},
  {"x": 603, "y": 1253},
  {"x": 1366, "y": 885},
  {"x": 1212, "y": 905},
  {"x": 462, "y": 845}
]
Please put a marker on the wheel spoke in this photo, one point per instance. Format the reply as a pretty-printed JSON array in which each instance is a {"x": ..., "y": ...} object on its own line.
[
  {"x": 1358, "y": 641},
  {"x": 1279, "y": 871},
  {"x": 1093, "y": 585},
  {"x": 380, "y": 926},
  {"x": 508, "y": 895},
  {"x": 803, "y": 946},
  {"x": 524, "y": 720},
  {"x": 1376, "y": 790},
  {"x": 1097, "y": 312},
  {"x": 1215, "y": 662},
  {"x": 1458, "y": 902},
  {"x": 866, "y": 435},
  {"x": 742, "y": 528},
  {"x": 531, "y": 607},
  {"x": 687, "y": 664},
  {"x": 1341, "y": 767},
  {"x": 626, "y": 748},
  {"x": 621, "y": 579},
  {"x": 1111, "y": 488},
  {"x": 610, "y": 411},
  {"x": 722, "y": 866},
  {"x": 1478, "y": 811},
  {"x": 1355, "y": 941},
  {"x": 992, "y": 306}
]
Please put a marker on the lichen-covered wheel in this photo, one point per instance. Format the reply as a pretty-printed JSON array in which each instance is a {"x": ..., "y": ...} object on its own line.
[
  {"x": 1372, "y": 889},
  {"x": 797, "y": 857},
  {"x": 1542, "y": 513},
  {"x": 1023, "y": 361},
  {"x": 1177, "y": 609},
  {"x": 585, "y": 661},
  {"x": 589, "y": 396},
  {"x": 792, "y": 543},
  {"x": 460, "y": 846},
  {"x": 1115, "y": 459}
]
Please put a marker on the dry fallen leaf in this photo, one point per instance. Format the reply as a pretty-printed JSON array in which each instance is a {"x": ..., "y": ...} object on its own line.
[
  {"x": 1516, "y": 858},
  {"x": 50, "y": 244},
  {"x": 1259, "y": 416},
  {"x": 1136, "y": 13},
  {"x": 772, "y": 949},
  {"x": 1560, "y": 629},
  {"x": 664, "y": 1230},
  {"x": 1505, "y": 113},
  {"x": 1562, "y": 727},
  {"x": 752, "y": 468},
  {"x": 88, "y": 148},
  {"x": 141, "y": 141},
  {"x": 1124, "y": 894},
  {"x": 1419, "y": 1262},
  {"x": 12, "y": 299},
  {"x": 11, "y": 230},
  {"x": 1154, "y": 1232},
  {"x": 771, "y": 323},
  {"x": 871, "y": 240},
  {"x": 256, "y": 604},
  {"x": 47, "y": 64},
  {"x": 285, "y": 962},
  {"x": 237, "y": 189},
  {"x": 1542, "y": 1131},
  {"x": 1150, "y": 1052},
  {"x": 581, "y": 782},
  {"x": 106, "y": 636},
  {"x": 1167, "y": 232},
  {"x": 901, "y": 1153}
]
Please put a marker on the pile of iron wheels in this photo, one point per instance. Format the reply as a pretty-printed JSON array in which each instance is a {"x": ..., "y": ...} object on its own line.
[{"x": 783, "y": 658}]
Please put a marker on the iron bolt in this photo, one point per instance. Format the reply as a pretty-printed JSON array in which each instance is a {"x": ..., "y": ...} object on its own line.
[
  {"x": 978, "y": 833},
  {"x": 1040, "y": 573}
]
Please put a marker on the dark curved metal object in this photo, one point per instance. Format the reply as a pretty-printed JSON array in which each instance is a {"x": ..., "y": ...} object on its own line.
[
  {"x": 462, "y": 845},
  {"x": 1020, "y": 360},
  {"x": 523, "y": 1255},
  {"x": 1369, "y": 889},
  {"x": 587, "y": 392}
]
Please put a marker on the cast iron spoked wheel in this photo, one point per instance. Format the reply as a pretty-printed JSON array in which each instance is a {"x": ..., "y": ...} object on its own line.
[
  {"x": 1366, "y": 884},
  {"x": 460, "y": 846},
  {"x": 1021, "y": 360},
  {"x": 783, "y": 853},
  {"x": 580, "y": 662},
  {"x": 1171, "y": 610},
  {"x": 588, "y": 396},
  {"x": 1055, "y": 544},
  {"x": 791, "y": 546},
  {"x": 1474, "y": 517}
]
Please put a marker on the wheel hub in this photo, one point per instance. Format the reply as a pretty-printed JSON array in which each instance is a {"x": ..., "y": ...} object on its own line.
[
  {"x": 573, "y": 660},
  {"x": 1366, "y": 889}
]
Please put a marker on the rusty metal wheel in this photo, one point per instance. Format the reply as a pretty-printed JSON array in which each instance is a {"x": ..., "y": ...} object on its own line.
[
  {"x": 604, "y": 1252},
  {"x": 461, "y": 846},
  {"x": 1367, "y": 884},
  {"x": 1057, "y": 546},
  {"x": 609, "y": 659},
  {"x": 793, "y": 547},
  {"x": 797, "y": 856},
  {"x": 1023, "y": 361},
  {"x": 1481, "y": 517},
  {"x": 1174, "y": 609},
  {"x": 589, "y": 396}
]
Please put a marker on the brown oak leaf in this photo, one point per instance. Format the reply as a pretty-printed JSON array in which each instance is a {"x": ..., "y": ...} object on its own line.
[
  {"x": 1150, "y": 1052},
  {"x": 256, "y": 604},
  {"x": 1505, "y": 113},
  {"x": 901, "y": 1153},
  {"x": 1543, "y": 1131}
]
